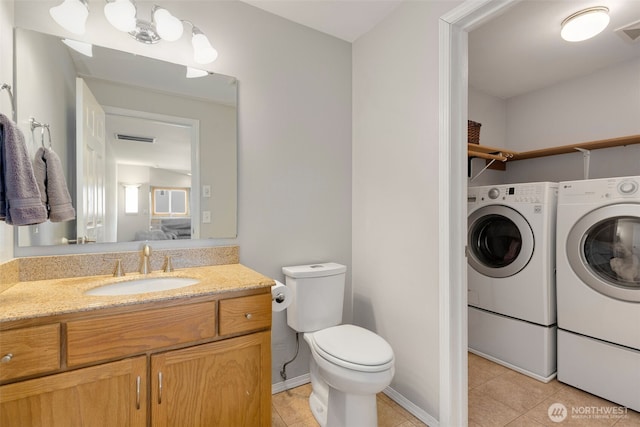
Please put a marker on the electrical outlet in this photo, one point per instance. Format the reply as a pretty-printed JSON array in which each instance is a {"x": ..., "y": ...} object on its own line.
[
  {"x": 206, "y": 217},
  {"x": 206, "y": 191}
]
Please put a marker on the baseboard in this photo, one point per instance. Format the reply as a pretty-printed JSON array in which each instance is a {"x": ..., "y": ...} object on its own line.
[
  {"x": 393, "y": 395},
  {"x": 417, "y": 412},
  {"x": 290, "y": 383}
]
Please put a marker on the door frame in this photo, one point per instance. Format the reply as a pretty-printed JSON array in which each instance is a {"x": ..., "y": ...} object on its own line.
[{"x": 453, "y": 95}]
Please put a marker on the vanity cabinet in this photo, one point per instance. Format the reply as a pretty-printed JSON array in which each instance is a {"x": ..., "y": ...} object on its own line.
[
  {"x": 171, "y": 364},
  {"x": 113, "y": 394}
]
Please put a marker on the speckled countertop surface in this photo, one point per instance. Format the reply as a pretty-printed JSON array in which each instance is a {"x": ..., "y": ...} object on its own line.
[{"x": 40, "y": 298}]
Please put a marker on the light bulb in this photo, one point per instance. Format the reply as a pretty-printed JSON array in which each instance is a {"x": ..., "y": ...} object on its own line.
[
  {"x": 169, "y": 27},
  {"x": 585, "y": 24},
  {"x": 121, "y": 14},
  {"x": 203, "y": 52},
  {"x": 71, "y": 15}
]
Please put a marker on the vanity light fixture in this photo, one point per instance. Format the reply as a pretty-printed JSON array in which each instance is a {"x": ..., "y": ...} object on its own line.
[
  {"x": 82, "y": 47},
  {"x": 71, "y": 15},
  {"x": 585, "y": 24},
  {"x": 122, "y": 15}
]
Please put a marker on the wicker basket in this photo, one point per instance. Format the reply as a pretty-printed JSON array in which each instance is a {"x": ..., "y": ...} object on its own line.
[{"x": 473, "y": 132}]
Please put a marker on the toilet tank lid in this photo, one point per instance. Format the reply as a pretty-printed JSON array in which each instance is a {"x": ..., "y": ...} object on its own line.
[{"x": 314, "y": 270}]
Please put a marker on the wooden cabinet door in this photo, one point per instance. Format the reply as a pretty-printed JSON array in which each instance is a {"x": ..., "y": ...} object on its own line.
[
  {"x": 225, "y": 383},
  {"x": 113, "y": 394}
]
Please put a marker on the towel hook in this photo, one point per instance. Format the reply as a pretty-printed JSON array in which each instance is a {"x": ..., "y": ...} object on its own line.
[
  {"x": 36, "y": 124},
  {"x": 7, "y": 87},
  {"x": 42, "y": 136}
]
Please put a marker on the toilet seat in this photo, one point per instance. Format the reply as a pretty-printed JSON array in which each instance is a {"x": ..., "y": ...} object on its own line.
[{"x": 354, "y": 348}]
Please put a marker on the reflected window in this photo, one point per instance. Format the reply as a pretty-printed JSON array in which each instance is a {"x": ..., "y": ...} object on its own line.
[
  {"x": 612, "y": 251},
  {"x": 131, "y": 193},
  {"x": 170, "y": 201}
]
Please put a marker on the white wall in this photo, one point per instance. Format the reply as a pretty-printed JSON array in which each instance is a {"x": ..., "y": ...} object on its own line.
[
  {"x": 491, "y": 112},
  {"x": 294, "y": 151},
  {"x": 6, "y": 76},
  {"x": 395, "y": 193},
  {"x": 37, "y": 52}
]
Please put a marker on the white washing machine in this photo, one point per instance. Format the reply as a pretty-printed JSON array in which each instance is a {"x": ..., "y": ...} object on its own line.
[
  {"x": 598, "y": 285},
  {"x": 511, "y": 276}
]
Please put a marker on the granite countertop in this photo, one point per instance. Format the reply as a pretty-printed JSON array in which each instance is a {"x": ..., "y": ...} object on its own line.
[{"x": 40, "y": 298}]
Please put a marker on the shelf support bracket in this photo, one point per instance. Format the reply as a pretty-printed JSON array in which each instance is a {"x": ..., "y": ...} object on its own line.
[
  {"x": 586, "y": 159},
  {"x": 483, "y": 169}
]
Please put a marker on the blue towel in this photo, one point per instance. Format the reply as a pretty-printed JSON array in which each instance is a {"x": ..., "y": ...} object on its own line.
[{"x": 20, "y": 202}]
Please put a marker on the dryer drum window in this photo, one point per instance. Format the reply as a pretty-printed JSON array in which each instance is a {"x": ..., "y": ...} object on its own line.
[
  {"x": 500, "y": 241},
  {"x": 611, "y": 249},
  {"x": 603, "y": 250}
]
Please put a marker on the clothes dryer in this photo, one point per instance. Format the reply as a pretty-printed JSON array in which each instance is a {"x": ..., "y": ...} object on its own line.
[
  {"x": 511, "y": 275},
  {"x": 598, "y": 284}
]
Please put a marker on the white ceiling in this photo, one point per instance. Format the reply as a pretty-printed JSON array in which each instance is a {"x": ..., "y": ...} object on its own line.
[{"x": 517, "y": 52}]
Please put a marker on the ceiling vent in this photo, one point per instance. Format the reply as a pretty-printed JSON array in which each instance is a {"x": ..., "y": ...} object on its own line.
[
  {"x": 630, "y": 33},
  {"x": 124, "y": 137}
]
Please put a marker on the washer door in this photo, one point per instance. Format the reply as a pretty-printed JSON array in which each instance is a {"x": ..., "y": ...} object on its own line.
[
  {"x": 500, "y": 241},
  {"x": 603, "y": 249}
]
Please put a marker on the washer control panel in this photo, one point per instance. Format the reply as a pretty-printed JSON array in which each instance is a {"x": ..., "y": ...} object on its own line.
[{"x": 510, "y": 193}]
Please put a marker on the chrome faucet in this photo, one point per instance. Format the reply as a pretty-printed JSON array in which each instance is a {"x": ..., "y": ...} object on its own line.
[{"x": 145, "y": 265}]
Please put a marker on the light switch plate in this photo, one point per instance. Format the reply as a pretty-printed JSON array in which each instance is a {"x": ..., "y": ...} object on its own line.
[{"x": 206, "y": 217}]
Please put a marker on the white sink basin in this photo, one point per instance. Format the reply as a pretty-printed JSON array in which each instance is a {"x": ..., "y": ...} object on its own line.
[{"x": 141, "y": 286}]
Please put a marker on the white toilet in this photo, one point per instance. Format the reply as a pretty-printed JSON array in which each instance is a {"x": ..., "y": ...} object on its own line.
[{"x": 349, "y": 364}]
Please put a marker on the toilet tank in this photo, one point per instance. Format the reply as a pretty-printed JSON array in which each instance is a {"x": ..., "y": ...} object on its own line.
[{"x": 317, "y": 295}]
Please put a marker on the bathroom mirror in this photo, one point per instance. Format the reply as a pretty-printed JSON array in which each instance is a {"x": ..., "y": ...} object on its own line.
[{"x": 161, "y": 130}]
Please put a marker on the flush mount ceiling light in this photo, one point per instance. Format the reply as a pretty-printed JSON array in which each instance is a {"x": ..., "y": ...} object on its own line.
[
  {"x": 122, "y": 15},
  {"x": 71, "y": 15},
  {"x": 585, "y": 24}
]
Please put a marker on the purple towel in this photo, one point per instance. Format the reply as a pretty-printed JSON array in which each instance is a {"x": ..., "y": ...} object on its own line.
[
  {"x": 53, "y": 187},
  {"x": 20, "y": 202}
]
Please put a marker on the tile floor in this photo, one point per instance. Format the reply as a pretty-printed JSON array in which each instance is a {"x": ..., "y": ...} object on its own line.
[{"x": 498, "y": 396}]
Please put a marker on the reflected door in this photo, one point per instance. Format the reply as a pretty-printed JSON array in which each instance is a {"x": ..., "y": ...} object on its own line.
[{"x": 90, "y": 163}]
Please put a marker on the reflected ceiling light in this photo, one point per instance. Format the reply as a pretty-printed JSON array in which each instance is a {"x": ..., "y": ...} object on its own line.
[
  {"x": 203, "y": 52},
  {"x": 121, "y": 14},
  {"x": 193, "y": 73},
  {"x": 71, "y": 15},
  {"x": 82, "y": 47},
  {"x": 585, "y": 24}
]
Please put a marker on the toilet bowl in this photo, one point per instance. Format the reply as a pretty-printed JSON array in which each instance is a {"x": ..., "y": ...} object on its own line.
[{"x": 349, "y": 364}]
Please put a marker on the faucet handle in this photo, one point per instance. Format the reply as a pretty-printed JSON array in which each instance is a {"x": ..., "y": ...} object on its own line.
[
  {"x": 168, "y": 265},
  {"x": 117, "y": 270}
]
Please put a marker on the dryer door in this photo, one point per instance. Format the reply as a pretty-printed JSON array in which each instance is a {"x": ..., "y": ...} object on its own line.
[
  {"x": 603, "y": 249},
  {"x": 500, "y": 241}
]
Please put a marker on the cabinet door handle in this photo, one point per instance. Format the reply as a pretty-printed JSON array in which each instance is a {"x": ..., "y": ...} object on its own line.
[
  {"x": 248, "y": 316},
  {"x": 159, "y": 388},
  {"x": 138, "y": 392},
  {"x": 6, "y": 358}
]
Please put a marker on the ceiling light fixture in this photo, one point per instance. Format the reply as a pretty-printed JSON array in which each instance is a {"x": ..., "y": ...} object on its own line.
[
  {"x": 122, "y": 15},
  {"x": 585, "y": 24},
  {"x": 71, "y": 15}
]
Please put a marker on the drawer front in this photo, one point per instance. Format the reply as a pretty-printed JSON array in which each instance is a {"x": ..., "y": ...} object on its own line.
[
  {"x": 245, "y": 314},
  {"x": 29, "y": 351},
  {"x": 121, "y": 335}
]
